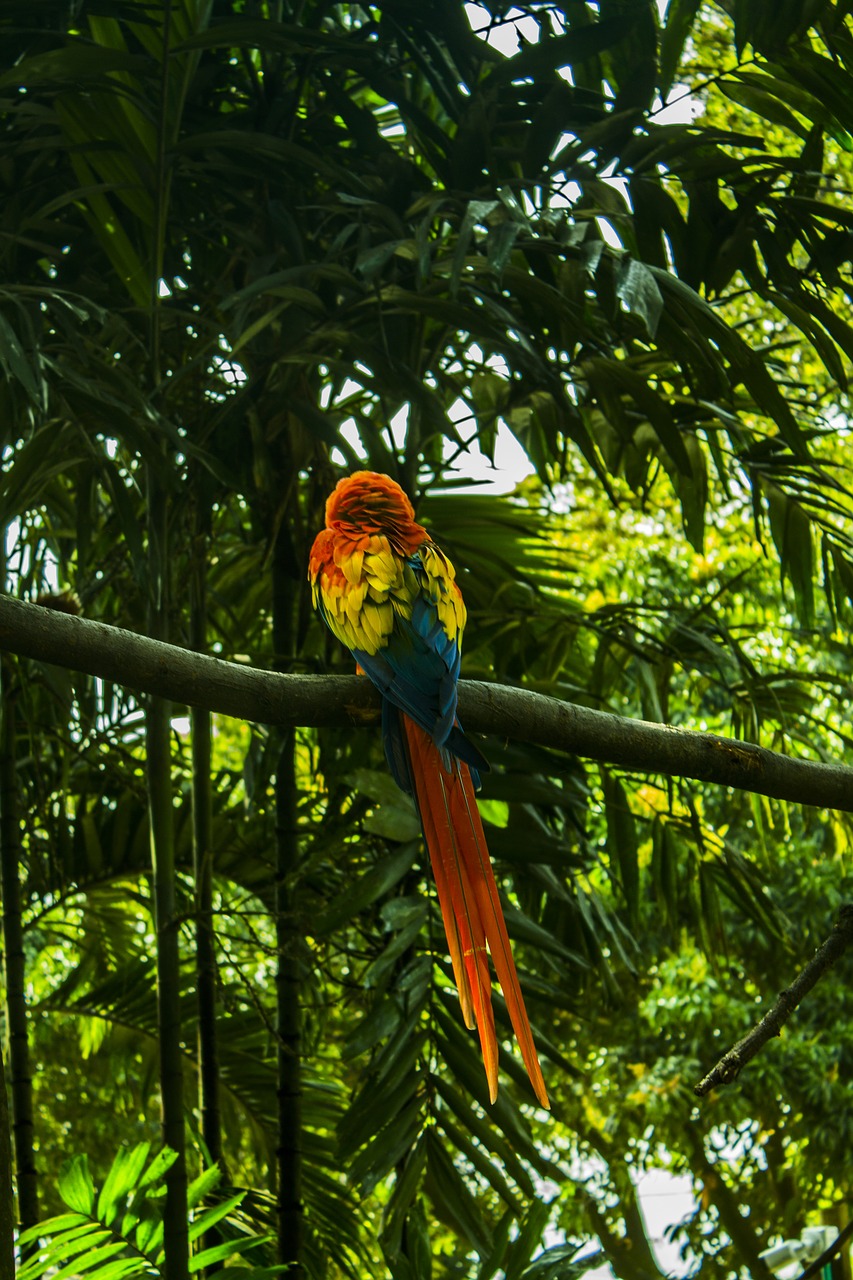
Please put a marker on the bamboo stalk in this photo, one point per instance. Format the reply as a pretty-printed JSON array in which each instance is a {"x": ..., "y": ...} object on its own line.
[
  {"x": 159, "y": 778},
  {"x": 158, "y": 744},
  {"x": 7, "y": 1197},
  {"x": 289, "y": 1153},
  {"x": 20, "y": 1070},
  {"x": 208, "y": 1057}
]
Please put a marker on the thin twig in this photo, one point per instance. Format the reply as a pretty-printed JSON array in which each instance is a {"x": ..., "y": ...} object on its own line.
[
  {"x": 815, "y": 1268},
  {"x": 731, "y": 1064}
]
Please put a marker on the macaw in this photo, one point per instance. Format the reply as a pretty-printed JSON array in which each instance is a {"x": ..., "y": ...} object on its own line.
[{"x": 387, "y": 591}]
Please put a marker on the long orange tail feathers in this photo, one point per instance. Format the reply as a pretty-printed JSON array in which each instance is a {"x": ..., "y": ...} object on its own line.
[{"x": 469, "y": 902}]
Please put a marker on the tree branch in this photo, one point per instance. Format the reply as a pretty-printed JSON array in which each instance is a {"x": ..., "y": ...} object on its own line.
[
  {"x": 815, "y": 1268},
  {"x": 729, "y": 1066},
  {"x": 250, "y": 694}
]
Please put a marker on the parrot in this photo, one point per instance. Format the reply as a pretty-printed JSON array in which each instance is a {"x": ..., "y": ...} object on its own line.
[{"x": 389, "y": 594}]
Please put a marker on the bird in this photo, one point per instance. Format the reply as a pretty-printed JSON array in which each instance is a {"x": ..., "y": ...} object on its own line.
[{"x": 388, "y": 592}]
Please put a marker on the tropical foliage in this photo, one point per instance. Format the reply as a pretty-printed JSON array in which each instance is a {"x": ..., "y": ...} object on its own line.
[
  {"x": 248, "y": 245},
  {"x": 120, "y": 1232}
]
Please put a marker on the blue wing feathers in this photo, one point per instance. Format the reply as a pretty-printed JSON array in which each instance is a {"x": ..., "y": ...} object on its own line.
[
  {"x": 397, "y": 754},
  {"x": 417, "y": 672}
]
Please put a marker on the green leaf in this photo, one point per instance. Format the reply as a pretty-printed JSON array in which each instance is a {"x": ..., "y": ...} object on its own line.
[
  {"x": 747, "y": 365},
  {"x": 576, "y": 46},
  {"x": 753, "y": 92},
  {"x": 158, "y": 1167},
  {"x": 490, "y": 1137},
  {"x": 410, "y": 921},
  {"x": 397, "y": 821},
  {"x": 389, "y": 1146},
  {"x": 529, "y": 1238},
  {"x": 639, "y": 292},
  {"x": 123, "y": 1176},
  {"x": 119, "y": 1268},
  {"x": 15, "y": 363},
  {"x": 451, "y": 1198},
  {"x": 692, "y": 490},
  {"x": 496, "y": 1257},
  {"x": 62, "y": 1245},
  {"x": 222, "y": 1252},
  {"x": 678, "y": 22},
  {"x": 406, "y": 1183},
  {"x": 128, "y": 514},
  {"x": 94, "y": 1258},
  {"x": 418, "y": 1248},
  {"x": 367, "y": 889},
  {"x": 50, "y": 1226},
  {"x": 792, "y": 534},
  {"x": 75, "y": 1184},
  {"x": 373, "y": 1107},
  {"x": 556, "y": 1263},
  {"x": 201, "y": 1186},
  {"x": 208, "y": 1218},
  {"x": 74, "y": 63}
]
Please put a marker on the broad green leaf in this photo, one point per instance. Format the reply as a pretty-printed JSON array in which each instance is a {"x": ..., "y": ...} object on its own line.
[
  {"x": 792, "y": 535},
  {"x": 76, "y": 1186},
  {"x": 119, "y": 1268},
  {"x": 387, "y": 1148},
  {"x": 639, "y": 292},
  {"x": 406, "y": 1183},
  {"x": 555, "y": 1263},
  {"x": 74, "y": 63},
  {"x": 63, "y": 1222},
  {"x": 528, "y": 1240},
  {"x": 495, "y": 1258},
  {"x": 208, "y": 1218},
  {"x": 373, "y": 1107},
  {"x": 14, "y": 361},
  {"x": 94, "y": 1258},
  {"x": 221, "y": 1252},
  {"x": 122, "y": 1178},
  {"x": 578, "y": 45},
  {"x": 374, "y": 884},
  {"x": 409, "y": 927},
  {"x": 678, "y": 21},
  {"x": 60, "y": 1245},
  {"x": 201, "y": 1186},
  {"x": 452, "y": 1200},
  {"x": 158, "y": 1167}
]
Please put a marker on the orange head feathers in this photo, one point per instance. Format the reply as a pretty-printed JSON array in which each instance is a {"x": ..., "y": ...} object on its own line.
[{"x": 367, "y": 503}]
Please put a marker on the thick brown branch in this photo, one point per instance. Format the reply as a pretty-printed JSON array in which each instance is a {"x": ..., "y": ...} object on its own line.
[
  {"x": 249, "y": 694},
  {"x": 730, "y": 1065}
]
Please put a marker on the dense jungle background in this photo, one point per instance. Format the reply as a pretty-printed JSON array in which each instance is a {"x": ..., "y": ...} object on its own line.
[{"x": 245, "y": 247}]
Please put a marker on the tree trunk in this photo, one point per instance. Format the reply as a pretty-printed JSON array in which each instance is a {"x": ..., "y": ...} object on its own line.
[
  {"x": 746, "y": 1243},
  {"x": 20, "y": 1074},
  {"x": 290, "y": 1208},
  {"x": 631, "y": 1253},
  {"x": 159, "y": 776}
]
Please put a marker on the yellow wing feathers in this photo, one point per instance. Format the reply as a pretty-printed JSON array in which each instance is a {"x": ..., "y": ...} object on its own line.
[
  {"x": 440, "y": 588},
  {"x": 364, "y": 588}
]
